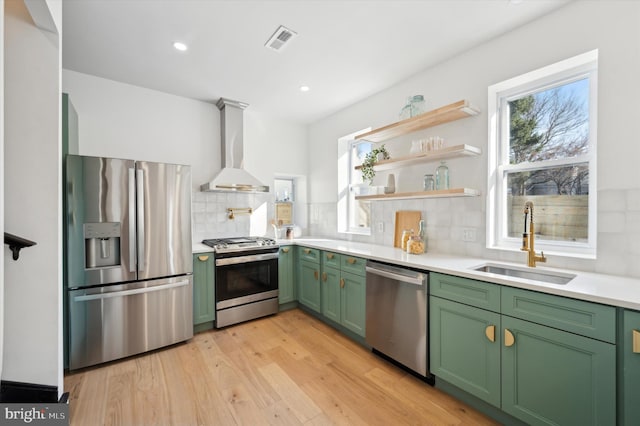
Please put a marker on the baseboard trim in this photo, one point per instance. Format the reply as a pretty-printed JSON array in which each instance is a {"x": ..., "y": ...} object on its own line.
[{"x": 16, "y": 392}]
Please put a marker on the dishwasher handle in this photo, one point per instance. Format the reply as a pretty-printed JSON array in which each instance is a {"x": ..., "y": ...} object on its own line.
[{"x": 416, "y": 278}]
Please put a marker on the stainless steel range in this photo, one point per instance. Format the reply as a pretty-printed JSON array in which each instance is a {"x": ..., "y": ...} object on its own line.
[{"x": 246, "y": 278}]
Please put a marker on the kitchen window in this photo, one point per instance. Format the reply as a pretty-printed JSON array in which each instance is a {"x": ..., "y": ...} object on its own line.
[
  {"x": 542, "y": 148},
  {"x": 354, "y": 216}
]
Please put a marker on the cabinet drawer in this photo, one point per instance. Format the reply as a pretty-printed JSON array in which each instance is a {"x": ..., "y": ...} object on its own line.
[
  {"x": 470, "y": 292},
  {"x": 331, "y": 259},
  {"x": 305, "y": 253},
  {"x": 355, "y": 265},
  {"x": 576, "y": 316}
]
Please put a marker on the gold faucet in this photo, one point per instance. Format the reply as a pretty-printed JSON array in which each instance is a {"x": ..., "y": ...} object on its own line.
[{"x": 528, "y": 238}]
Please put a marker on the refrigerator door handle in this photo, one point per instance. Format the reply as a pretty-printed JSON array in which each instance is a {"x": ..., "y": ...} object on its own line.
[
  {"x": 130, "y": 292},
  {"x": 140, "y": 207},
  {"x": 132, "y": 220}
]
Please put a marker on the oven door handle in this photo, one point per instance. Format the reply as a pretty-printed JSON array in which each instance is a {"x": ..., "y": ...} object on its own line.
[{"x": 246, "y": 259}]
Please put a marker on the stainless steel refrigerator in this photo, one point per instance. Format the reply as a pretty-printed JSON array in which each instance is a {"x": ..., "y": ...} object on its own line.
[{"x": 129, "y": 263}]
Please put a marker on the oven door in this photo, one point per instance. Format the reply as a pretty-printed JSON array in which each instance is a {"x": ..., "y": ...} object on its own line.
[{"x": 246, "y": 277}]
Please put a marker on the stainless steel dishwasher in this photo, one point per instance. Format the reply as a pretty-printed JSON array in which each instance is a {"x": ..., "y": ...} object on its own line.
[{"x": 397, "y": 315}]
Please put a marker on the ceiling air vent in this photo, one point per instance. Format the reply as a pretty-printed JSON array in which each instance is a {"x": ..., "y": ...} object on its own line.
[{"x": 280, "y": 38}]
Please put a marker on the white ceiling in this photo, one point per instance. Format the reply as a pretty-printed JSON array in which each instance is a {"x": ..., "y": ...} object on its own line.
[{"x": 345, "y": 50}]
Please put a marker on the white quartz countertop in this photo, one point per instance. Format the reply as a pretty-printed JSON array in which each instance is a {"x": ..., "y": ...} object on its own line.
[{"x": 607, "y": 289}]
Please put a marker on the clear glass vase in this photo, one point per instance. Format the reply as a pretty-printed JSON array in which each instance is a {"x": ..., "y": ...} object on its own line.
[{"x": 442, "y": 176}]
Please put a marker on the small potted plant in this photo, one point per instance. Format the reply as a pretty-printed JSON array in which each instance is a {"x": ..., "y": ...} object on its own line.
[{"x": 370, "y": 160}]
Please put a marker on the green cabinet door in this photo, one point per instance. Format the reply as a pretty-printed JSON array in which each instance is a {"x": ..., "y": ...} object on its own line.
[
  {"x": 552, "y": 377},
  {"x": 465, "y": 348},
  {"x": 631, "y": 368},
  {"x": 331, "y": 293},
  {"x": 203, "y": 288},
  {"x": 286, "y": 291},
  {"x": 309, "y": 285},
  {"x": 353, "y": 299}
]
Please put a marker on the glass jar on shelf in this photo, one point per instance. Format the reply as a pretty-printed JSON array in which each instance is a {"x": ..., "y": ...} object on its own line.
[
  {"x": 442, "y": 176},
  {"x": 417, "y": 105},
  {"x": 405, "y": 112},
  {"x": 428, "y": 183}
]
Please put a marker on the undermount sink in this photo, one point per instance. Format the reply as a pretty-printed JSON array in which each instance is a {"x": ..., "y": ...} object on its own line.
[{"x": 511, "y": 271}]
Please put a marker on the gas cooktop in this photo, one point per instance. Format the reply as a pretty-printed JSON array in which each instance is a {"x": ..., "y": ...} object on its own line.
[{"x": 239, "y": 243}]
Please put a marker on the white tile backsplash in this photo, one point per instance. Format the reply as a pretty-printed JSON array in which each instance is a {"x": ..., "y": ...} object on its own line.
[
  {"x": 618, "y": 230},
  {"x": 210, "y": 218}
]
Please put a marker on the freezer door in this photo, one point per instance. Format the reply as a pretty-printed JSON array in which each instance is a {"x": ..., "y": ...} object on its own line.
[
  {"x": 163, "y": 219},
  {"x": 100, "y": 221},
  {"x": 112, "y": 322}
]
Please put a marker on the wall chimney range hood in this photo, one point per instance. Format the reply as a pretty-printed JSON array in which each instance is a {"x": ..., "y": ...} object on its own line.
[{"x": 233, "y": 177}]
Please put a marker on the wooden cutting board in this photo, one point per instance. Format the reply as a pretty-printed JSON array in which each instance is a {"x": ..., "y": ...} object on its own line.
[{"x": 405, "y": 219}]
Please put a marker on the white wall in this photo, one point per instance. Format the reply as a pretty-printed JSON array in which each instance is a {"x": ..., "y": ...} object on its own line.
[
  {"x": 612, "y": 27},
  {"x": 125, "y": 121},
  {"x": 32, "y": 194}
]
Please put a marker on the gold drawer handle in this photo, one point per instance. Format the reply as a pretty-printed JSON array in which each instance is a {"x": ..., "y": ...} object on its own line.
[
  {"x": 341, "y": 282},
  {"x": 351, "y": 260},
  {"x": 330, "y": 256},
  {"x": 307, "y": 251},
  {"x": 490, "y": 332},
  {"x": 509, "y": 340},
  {"x": 315, "y": 275},
  {"x": 636, "y": 342},
  {"x": 203, "y": 258},
  {"x": 285, "y": 249},
  {"x": 324, "y": 277}
]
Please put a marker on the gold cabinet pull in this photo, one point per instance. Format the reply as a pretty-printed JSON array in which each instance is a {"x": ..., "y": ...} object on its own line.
[
  {"x": 351, "y": 260},
  {"x": 509, "y": 340},
  {"x": 636, "y": 342},
  {"x": 315, "y": 274},
  {"x": 324, "y": 277},
  {"x": 307, "y": 251},
  {"x": 285, "y": 249},
  {"x": 330, "y": 256},
  {"x": 341, "y": 282},
  {"x": 203, "y": 258},
  {"x": 490, "y": 332}
]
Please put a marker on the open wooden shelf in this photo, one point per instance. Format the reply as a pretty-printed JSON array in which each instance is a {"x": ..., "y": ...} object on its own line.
[
  {"x": 425, "y": 157},
  {"x": 445, "y": 114},
  {"x": 444, "y": 193}
]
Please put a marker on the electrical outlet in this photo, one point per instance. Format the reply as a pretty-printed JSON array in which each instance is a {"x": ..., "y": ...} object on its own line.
[
  {"x": 380, "y": 227},
  {"x": 469, "y": 235}
]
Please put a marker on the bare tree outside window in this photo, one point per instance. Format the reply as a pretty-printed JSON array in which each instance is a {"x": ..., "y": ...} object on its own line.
[
  {"x": 550, "y": 125},
  {"x": 545, "y": 127}
]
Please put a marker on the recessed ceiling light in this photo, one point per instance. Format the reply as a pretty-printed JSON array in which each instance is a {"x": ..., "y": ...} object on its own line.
[
  {"x": 304, "y": 88},
  {"x": 180, "y": 46}
]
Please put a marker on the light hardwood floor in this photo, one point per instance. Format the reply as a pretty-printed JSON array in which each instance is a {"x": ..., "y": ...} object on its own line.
[{"x": 287, "y": 369}]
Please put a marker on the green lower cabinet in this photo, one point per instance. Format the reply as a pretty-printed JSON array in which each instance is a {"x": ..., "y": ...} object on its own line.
[
  {"x": 630, "y": 369},
  {"x": 203, "y": 288},
  {"x": 553, "y": 377},
  {"x": 465, "y": 348},
  {"x": 353, "y": 302},
  {"x": 309, "y": 285},
  {"x": 331, "y": 294},
  {"x": 286, "y": 288}
]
